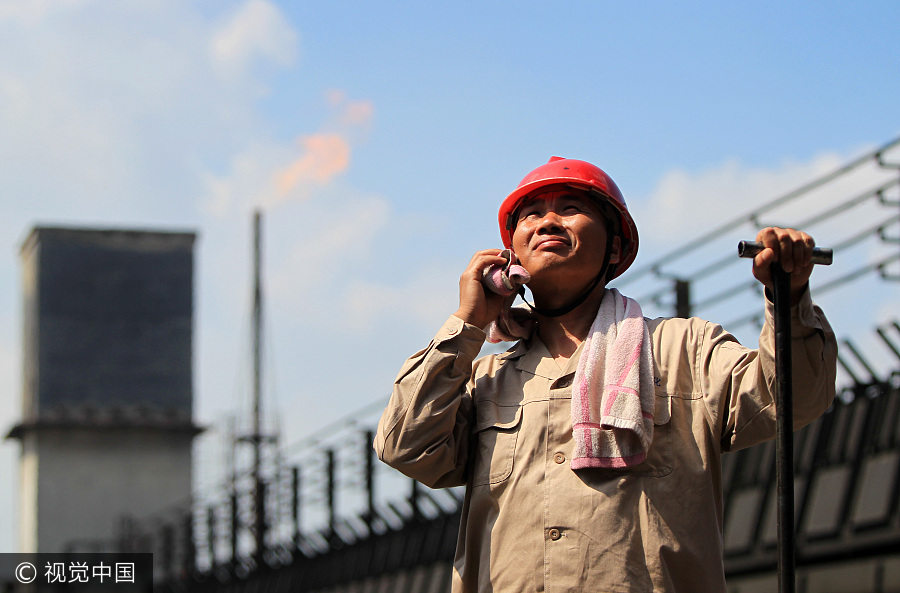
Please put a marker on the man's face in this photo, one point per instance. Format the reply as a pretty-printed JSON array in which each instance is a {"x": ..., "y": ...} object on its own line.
[{"x": 560, "y": 236}]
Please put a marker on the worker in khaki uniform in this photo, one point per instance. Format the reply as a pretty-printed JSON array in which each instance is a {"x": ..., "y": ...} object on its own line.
[{"x": 591, "y": 449}]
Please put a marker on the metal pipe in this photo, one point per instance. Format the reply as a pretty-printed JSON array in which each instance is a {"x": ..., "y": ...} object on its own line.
[
  {"x": 211, "y": 537},
  {"x": 820, "y": 255},
  {"x": 848, "y": 370},
  {"x": 682, "y": 298},
  {"x": 888, "y": 341},
  {"x": 414, "y": 501},
  {"x": 369, "y": 452},
  {"x": 234, "y": 528},
  {"x": 784, "y": 412},
  {"x": 330, "y": 469},
  {"x": 784, "y": 422},
  {"x": 295, "y": 503},
  {"x": 259, "y": 490},
  {"x": 862, "y": 361}
]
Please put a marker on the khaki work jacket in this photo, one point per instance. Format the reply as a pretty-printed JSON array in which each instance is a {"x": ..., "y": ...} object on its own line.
[{"x": 502, "y": 426}]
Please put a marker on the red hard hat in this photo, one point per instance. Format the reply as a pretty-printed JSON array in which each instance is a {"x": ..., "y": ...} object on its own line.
[{"x": 579, "y": 175}]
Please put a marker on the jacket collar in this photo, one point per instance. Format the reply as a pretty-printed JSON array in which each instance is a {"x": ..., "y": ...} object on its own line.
[{"x": 532, "y": 356}]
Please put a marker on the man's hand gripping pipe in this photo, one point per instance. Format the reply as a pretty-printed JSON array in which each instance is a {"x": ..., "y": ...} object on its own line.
[
  {"x": 784, "y": 413},
  {"x": 820, "y": 255}
]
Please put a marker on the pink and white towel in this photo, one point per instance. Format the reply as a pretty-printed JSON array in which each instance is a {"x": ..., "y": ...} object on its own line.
[
  {"x": 514, "y": 322},
  {"x": 612, "y": 392}
]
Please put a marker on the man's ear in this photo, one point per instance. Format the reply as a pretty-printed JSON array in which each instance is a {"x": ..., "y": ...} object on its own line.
[{"x": 615, "y": 254}]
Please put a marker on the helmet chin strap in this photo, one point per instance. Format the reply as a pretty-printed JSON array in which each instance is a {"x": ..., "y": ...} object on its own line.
[{"x": 605, "y": 273}]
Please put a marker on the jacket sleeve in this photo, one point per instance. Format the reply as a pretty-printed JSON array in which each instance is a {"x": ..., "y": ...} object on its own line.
[
  {"x": 425, "y": 430},
  {"x": 739, "y": 384}
]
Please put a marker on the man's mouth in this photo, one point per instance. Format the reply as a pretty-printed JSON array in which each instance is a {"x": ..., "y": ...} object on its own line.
[{"x": 551, "y": 243}]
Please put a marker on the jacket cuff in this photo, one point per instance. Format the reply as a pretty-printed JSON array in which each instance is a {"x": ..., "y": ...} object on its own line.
[
  {"x": 803, "y": 314},
  {"x": 460, "y": 336}
]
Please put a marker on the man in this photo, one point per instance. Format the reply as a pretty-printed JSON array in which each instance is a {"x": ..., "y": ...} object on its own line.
[{"x": 564, "y": 492}]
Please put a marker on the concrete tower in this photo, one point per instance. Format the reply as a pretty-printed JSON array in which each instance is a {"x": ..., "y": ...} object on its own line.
[{"x": 107, "y": 396}]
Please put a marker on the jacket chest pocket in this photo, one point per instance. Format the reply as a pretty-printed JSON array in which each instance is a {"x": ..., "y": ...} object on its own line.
[
  {"x": 659, "y": 462},
  {"x": 496, "y": 433}
]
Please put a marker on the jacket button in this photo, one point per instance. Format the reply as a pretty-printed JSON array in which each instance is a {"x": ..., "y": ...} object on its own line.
[
  {"x": 564, "y": 382},
  {"x": 555, "y": 534},
  {"x": 559, "y": 458}
]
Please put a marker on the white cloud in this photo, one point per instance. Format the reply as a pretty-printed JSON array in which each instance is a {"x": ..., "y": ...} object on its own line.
[
  {"x": 256, "y": 30},
  {"x": 98, "y": 98},
  {"x": 250, "y": 180},
  {"x": 267, "y": 175},
  {"x": 329, "y": 246},
  {"x": 704, "y": 199},
  {"x": 270, "y": 174},
  {"x": 31, "y": 12},
  {"x": 425, "y": 298},
  {"x": 351, "y": 114}
]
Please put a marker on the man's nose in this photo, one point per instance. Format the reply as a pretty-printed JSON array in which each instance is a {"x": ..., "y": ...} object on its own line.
[{"x": 550, "y": 221}]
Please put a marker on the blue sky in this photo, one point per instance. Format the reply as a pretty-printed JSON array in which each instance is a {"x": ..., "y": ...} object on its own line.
[{"x": 379, "y": 138}]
